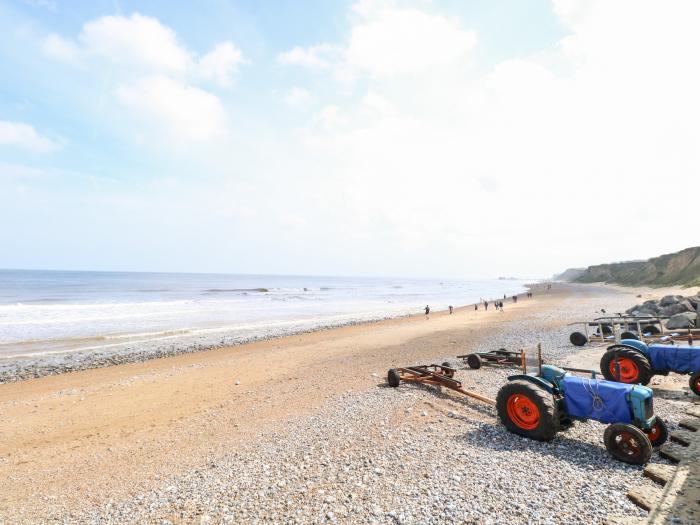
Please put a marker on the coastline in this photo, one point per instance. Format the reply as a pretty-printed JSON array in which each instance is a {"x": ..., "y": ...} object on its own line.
[{"x": 33, "y": 367}]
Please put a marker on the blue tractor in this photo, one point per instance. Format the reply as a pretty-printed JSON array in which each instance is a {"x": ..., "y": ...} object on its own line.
[
  {"x": 538, "y": 406},
  {"x": 631, "y": 361}
]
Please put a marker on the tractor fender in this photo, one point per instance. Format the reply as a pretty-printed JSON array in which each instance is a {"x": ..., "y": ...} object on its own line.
[
  {"x": 633, "y": 344},
  {"x": 535, "y": 381}
]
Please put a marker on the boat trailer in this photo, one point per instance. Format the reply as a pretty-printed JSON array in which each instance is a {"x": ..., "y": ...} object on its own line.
[
  {"x": 436, "y": 375},
  {"x": 494, "y": 357}
]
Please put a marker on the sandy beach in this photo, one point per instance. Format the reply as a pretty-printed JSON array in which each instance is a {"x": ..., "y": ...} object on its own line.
[{"x": 119, "y": 443}]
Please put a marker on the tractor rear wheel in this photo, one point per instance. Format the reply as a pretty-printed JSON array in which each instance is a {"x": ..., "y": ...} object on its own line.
[
  {"x": 627, "y": 443},
  {"x": 695, "y": 383},
  {"x": 447, "y": 369},
  {"x": 658, "y": 433},
  {"x": 578, "y": 339},
  {"x": 528, "y": 410},
  {"x": 474, "y": 361},
  {"x": 393, "y": 378},
  {"x": 628, "y": 335},
  {"x": 634, "y": 365}
]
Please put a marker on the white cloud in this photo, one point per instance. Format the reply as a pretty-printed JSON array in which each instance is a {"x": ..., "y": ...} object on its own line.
[
  {"x": 24, "y": 136},
  {"x": 137, "y": 41},
  {"x": 389, "y": 41},
  {"x": 321, "y": 56},
  {"x": 220, "y": 64},
  {"x": 154, "y": 74},
  {"x": 514, "y": 157},
  {"x": 183, "y": 112},
  {"x": 299, "y": 98},
  {"x": 400, "y": 41},
  {"x": 61, "y": 49}
]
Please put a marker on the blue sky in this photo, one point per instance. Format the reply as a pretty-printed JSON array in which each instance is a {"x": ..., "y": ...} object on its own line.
[{"x": 374, "y": 137}]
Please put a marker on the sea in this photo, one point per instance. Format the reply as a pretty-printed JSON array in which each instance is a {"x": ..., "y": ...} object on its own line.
[{"x": 58, "y": 312}]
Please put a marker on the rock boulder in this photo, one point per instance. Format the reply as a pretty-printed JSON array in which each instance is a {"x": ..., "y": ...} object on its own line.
[{"x": 682, "y": 320}]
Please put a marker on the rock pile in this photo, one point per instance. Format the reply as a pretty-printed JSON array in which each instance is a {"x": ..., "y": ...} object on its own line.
[{"x": 681, "y": 311}]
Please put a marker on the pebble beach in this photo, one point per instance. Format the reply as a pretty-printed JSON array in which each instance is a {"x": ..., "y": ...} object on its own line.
[{"x": 340, "y": 446}]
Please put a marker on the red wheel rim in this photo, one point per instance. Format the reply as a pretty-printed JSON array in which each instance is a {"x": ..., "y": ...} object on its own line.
[
  {"x": 627, "y": 445},
  {"x": 523, "y": 411},
  {"x": 654, "y": 433},
  {"x": 628, "y": 370}
]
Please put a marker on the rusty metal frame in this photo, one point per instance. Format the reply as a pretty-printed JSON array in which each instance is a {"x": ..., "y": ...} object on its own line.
[{"x": 439, "y": 375}]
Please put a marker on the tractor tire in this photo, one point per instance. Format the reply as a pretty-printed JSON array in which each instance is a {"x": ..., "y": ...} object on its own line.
[
  {"x": 634, "y": 366},
  {"x": 527, "y": 410},
  {"x": 607, "y": 329},
  {"x": 393, "y": 378},
  {"x": 474, "y": 361},
  {"x": 657, "y": 434},
  {"x": 578, "y": 339},
  {"x": 448, "y": 369},
  {"x": 695, "y": 383},
  {"x": 627, "y": 443},
  {"x": 628, "y": 335}
]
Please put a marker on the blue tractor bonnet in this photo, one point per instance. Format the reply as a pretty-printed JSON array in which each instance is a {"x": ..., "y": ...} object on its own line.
[
  {"x": 604, "y": 401},
  {"x": 679, "y": 359}
]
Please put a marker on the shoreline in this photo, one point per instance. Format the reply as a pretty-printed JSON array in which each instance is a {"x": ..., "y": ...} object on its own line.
[{"x": 33, "y": 367}]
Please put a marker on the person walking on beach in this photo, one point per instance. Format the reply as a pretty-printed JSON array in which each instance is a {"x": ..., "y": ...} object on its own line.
[
  {"x": 450, "y": 307},
  {"x": 476, "y": 307},
  {"x": 486, "y": 305},
  {"x": 427, "y": 311}
]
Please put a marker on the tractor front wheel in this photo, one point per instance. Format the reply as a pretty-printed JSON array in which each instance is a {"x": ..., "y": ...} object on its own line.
[
  {"x": 658, "y": 433},
  {"x": 393, "y": 378},
  {"x": 695, "y": 383},
  {"x": 627, "y": 443},
  {"x": 634, "y": 366},
  {"x": 528, "y": 410}
]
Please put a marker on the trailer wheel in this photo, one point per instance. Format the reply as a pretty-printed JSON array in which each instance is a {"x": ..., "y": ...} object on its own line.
[
  {"x": 628, "y": 335},
  {"x": 527, "y": 410},
  {"x": 658, "y": 433},
  {"x": 627, "y": 443},
  {"x": 474, "y": 361},
  {"x": 607, "y": 329},
  {"x": 393, "y": 378},
  {"x": 695, "y": 383},
  {"x": 578, "y": 339},
  {"x": 651, "y": 329},
  {"x": 634, "y": 366},
  {"x": 447, "y": 369}
]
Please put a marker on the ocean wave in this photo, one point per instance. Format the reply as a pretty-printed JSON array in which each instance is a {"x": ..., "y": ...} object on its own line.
[{"x": 236, "y": 290}]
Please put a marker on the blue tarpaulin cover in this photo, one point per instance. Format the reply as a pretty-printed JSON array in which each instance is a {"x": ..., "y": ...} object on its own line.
[
  {"x": 681, "y": 359},
  {"x": 597, "y": 399}
]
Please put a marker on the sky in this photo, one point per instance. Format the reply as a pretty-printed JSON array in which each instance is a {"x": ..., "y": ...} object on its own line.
[{"x": 443, "y": 138}]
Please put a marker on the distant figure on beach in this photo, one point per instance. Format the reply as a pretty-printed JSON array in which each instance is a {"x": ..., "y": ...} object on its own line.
[
  {"x": 501, "y": 306},
  {"x": 450, "y": 307},
  {"x": 515, "y": 298},
  {"x": 486, "y": 305},
  {"x": 476, "y": 306},
  {"x": 427, "y": 311},
  {"x": 504, "y": 296}
]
